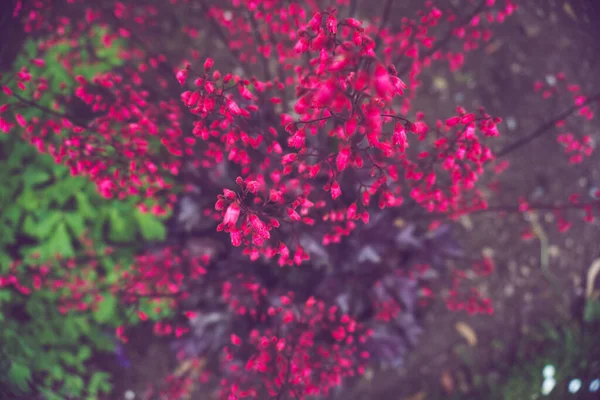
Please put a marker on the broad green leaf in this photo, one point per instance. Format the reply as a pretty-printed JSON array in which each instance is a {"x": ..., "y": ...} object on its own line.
[
  {"x": 47, "y": 224},
  {"x": 69, "y": 359},
  {"x": 102, "y": 342},
  {"x": 50, "y": 395},
  {"x": 20, "y": 375},
  {"x": 29, "y": 200},
  {"x": 35, "y": 176},
  {"x": 151, "y": 227},
  {"x": 69, "y": 329},
  {"x": 74, "y": 385},
  {"x": 82, "y": 324},
  {"x": 36, "y": 309},
  {"x": 111, "y": 275},
  {"x": 7, "y": 235},
  {"x": 121, "y": 230},
  {"x": 59, "y": 75},
  {"x": 76, "y": 223},
  {"x": 12, "y": 213},
  {"x": 5, "y": 295},
  {"x": 30, "y": 226},
  {"x": 100, "y": 381},
  {"x": 65, "y": 188},
  {"x": 57, "y": 372},
  {"x": 60, "y": 242},
  {"x": 5, "y": 261},
  {"x": 84, "y": 206},
  {"x": 106, "y": 309},
  {"x": 84, "y": 353}
]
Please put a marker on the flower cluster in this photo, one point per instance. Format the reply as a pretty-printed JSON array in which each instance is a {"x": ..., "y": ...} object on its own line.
[{"x": 293, "y": 131}]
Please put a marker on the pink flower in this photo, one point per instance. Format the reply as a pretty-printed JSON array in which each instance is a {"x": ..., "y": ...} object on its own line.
[
  {"x": 342, "y": 159},
  {"x": 208, "y": 64},
  {"x": 289, "y": 158},
  {"x": 280, "y": 345},
  {"x": 106, "y": 187},
  {"x": 5, "y": 126},
  {"x": 259, "y": 227},
  {"x": 233, "y": 107},
  {"x": 399, "y": 137},
  {"x": 301, "y": 46},
  {"x": 335, "y": 190},
  {"x": 294, "y": 216},
  {"x": 236, "y": 237},
  {"x": 450, "y": 122},
  {"x": 181, "y": 76},
  {"x": 38, "y": 62},
  {"x": 351, "y": 214},
  {"x": 353, "y": 22},
  {"x": 331, "y": 24},
  {"x": 253, "y": 186},
  {"x": 315, "y": 23},
  {"x": 235, "y": 339},
  {"x": 383, "y": 85},
  {"x": 232, "y": 214},
  {"x": 21, "y": 120}
]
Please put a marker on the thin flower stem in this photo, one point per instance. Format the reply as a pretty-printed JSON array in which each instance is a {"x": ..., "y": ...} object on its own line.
[
  {"x": 385, "y": 16},
  {"x": 544, "y": 128},
  {"x": 512, "y": 209},
  {"x": 49, "y": 111},
  {"x": 445, "y": 40}
]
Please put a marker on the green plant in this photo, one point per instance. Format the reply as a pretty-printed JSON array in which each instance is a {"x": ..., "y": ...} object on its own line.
[
  {"x": 45, "y": 212},
  {"x": 571, "y": 348}
]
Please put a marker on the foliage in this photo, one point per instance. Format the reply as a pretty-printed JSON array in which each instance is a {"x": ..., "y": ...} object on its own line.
[{"x": 46, "y": 213}]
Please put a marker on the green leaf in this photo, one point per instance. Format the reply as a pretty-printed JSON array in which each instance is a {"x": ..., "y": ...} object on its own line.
[
  {"x": 30, "y": 226},
  {"x": 5, "y": 261},
  {"x": 102, "y": 342},
  {"x": 12, "y": 213},
  {"x": 106, "y": 309},
  {"x": 84, "y": 353},
  {"x": 50, "y": 395},
  {"x": 60, "y": 242},
  {"x": 5, "y": 295},
  {"x": 99, "y": 382},
  {"x": 121, "y": 230},
  {"x": 82, "y": 324},
  {"x": 34, "y": 176},
  {"x": 592, "y": 311},
  {"x": 57, "y": 372},
  {"x": 76, "y": 223},
  {"x": 109, "y": 267},
  {"x": 36, "y": 309},
  {"x": 74, "y": 385},
  {"x": 151, "y": 227},
  {"x": 65, "y": 188},
  {"x": 59, "y": 76},
  {"x": 47, "y": 224},
  {"x": 69, "y": 359},
  {"x": 29, "y": 200},
  {"x": 20, "y": 375},
  {"x": 84, "y": 206}
]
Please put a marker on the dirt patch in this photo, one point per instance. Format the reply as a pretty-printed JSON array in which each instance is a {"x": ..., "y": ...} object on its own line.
[{"x": 542, "y": 39}]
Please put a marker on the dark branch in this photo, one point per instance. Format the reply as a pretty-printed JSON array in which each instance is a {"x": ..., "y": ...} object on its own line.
[
  {"x": 384, "y": 19},
  {"x": 544, "y": 128},
  {"x": 447, "y": 37}
]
